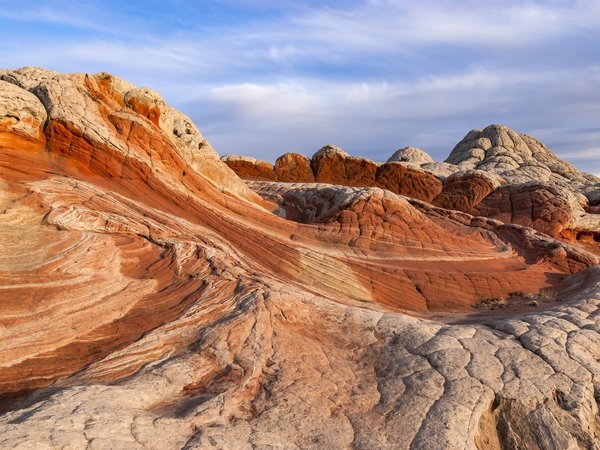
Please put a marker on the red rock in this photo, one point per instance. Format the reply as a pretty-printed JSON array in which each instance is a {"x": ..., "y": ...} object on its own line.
[
  {"x": 533, "y": 205},
  {"x": 333, "y": 165},
  {"x": 249, "y": 168},
  {"x": 408, "y": 181},
  {"x": 294, "y": 168},
  {"x": 165, "y": 306},
  {"x": 463, "y": 191}
]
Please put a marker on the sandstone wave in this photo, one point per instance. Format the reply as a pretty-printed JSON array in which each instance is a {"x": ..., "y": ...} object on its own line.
[{"x": 152, "y": 298}]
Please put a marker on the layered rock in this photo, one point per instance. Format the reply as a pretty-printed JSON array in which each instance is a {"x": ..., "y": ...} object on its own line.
[
  {"x": 148, "y": 302},
  {"x": 249, "y": 168},
  {"x": 87, "y": 111},
  {"x": 22, "y": 118}
]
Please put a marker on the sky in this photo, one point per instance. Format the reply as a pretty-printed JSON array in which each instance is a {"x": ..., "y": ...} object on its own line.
[{"x": 262, "y": 78}]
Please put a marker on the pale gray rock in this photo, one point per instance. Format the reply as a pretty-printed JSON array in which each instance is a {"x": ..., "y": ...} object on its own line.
[
  {"x": 438, "y": 386},
  {"x": 21, "y": 112},
  {"x": 518, "y": 158},
  {"x": 411, "y": 155},
  {"x": 329, "y": 150},
  {"x": 179, "y": 127}
]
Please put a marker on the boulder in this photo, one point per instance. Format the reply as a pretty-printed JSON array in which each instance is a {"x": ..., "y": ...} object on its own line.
[
  {"x": 463, "y": 191},
  {"x": 293, "y": 167},
  {"x": 22, "y": 118},
  {"x": 408, "y": 181},
  {"x": 249, "y": 168},
  {"x": 412, "y": 155},
  {"x": 535, "y": 205},
  {"x": 334, "y": 166}
]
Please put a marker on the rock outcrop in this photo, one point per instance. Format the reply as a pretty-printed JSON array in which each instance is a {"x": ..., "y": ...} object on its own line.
[
  {"x": 294, "y": 168},
  {"x": 413, "y": 155},
  {"x": 149, "y": 298},
  {"x": 334, "y": 166},
  {"x": 539, "y": 206},
  {"x": 22, "y": 118},
  {"x": 250, "y": 168},
  {"x": 479, "y": 164},
  {"x": 463, "y": 191},
  {"x": 408, "y": 181},
  {"x": 518, "y": 158}
]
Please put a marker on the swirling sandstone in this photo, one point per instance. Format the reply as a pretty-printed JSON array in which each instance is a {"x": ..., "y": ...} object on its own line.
[{"x": 151, "y": 299}]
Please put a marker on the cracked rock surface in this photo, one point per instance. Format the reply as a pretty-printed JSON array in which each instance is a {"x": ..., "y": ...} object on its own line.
[{"x": 150, "y": 299}]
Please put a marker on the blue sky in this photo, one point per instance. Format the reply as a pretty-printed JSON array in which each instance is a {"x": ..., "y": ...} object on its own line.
[{"x": 265, "y": 77}]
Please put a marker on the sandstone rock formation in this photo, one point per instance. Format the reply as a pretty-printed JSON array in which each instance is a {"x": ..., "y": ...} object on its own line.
[
  {"x": 250, "y": 168},
  {"x": 516, "y": 157},
  {"x": 333, "y": 165},
  {"x": 408, "y": 181},
  {"x": 150, "y": 299},
  {"x": 463, "y": 191},
  {"x": 532, "y": 204},
  {"x": 293, "y": 167},
  {"x": 412, "y": 155},
  {"x": 479, "y": 164}
]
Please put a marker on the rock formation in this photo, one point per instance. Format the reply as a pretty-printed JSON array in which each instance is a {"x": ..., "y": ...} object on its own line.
[
  {"x": 516, "y": 157},
  {"x": 250, "y": 168},
  {"x": 408, "y": 181},
  {"x": 463, "y": 191},
  {"x": 294, "y": 168},
  {"x": 333, "y": 165},
  {"x": 412, "y": 155},
  {"x": 149, "y": 298},
  {"x": 478, "y": 166}
]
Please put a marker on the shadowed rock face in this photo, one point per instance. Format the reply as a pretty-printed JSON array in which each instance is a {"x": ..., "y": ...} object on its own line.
[
  {"x": 408, "y": 181},
  {"x": 463, "y": 191},
  {"x": 151, "y": 299}
]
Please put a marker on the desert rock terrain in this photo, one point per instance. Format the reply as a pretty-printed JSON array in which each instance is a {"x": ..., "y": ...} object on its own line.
[{"x": 156, "y": 296}]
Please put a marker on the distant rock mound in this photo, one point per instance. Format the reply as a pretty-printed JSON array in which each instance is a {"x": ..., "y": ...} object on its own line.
[
  {"x": 333, "y": 165},
  {"x": 412, "y": 155},
  {"x": 408, "y": 181},
  {"x": 518, "y": 158},
  {"x": 250, "y": 168},
  {"x": 478, "y": 166},
  {"x": 294, "y": 168}
]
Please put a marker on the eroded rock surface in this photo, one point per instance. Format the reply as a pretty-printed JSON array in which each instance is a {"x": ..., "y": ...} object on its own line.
[
  {"x": 463, "y": 191},
  {"x": 294, "y": 167},
  {"x": 250, "y": 168},
  {"x": 413, "y": 155},
  {"x": 150, "y": 299},
  {"x": 408, "y": 181}
]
